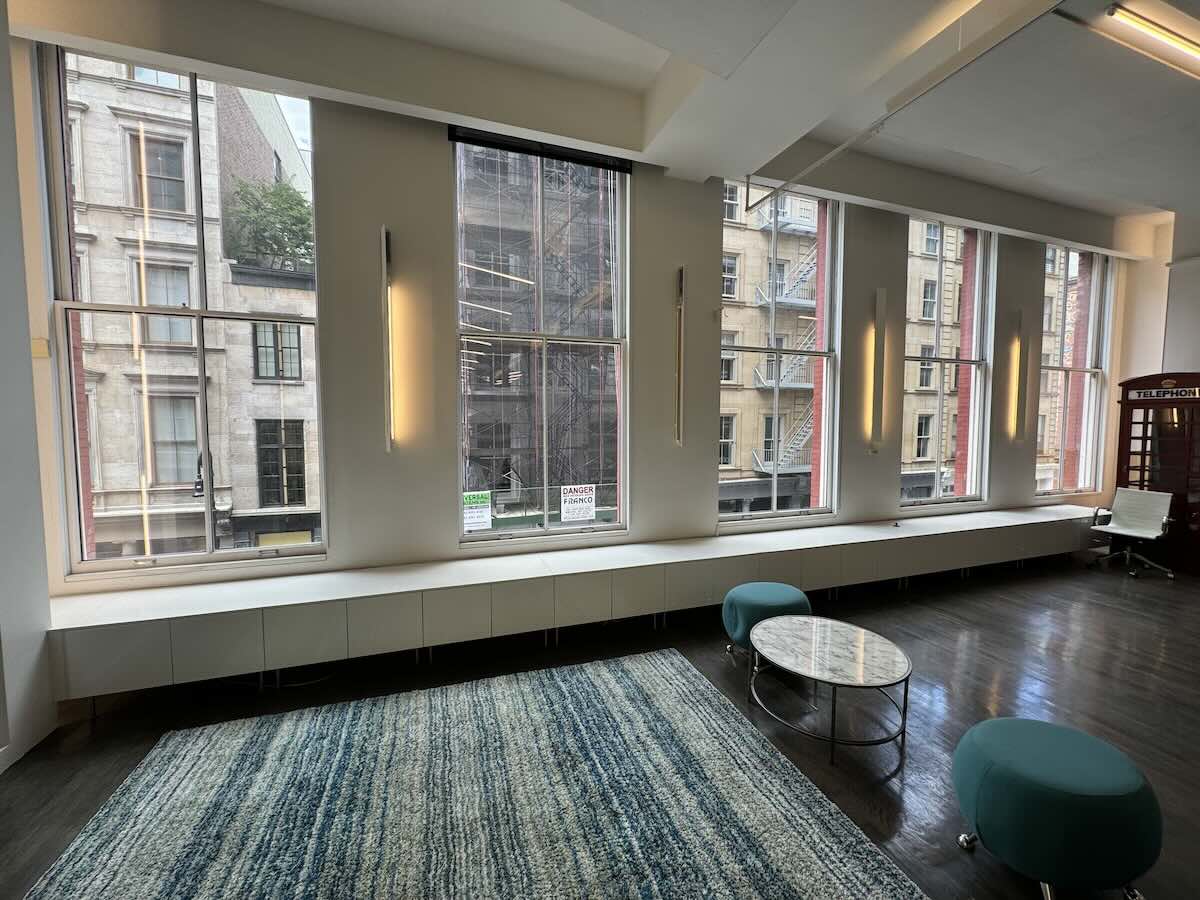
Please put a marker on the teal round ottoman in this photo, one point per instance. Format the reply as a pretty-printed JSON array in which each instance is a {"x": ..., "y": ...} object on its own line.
[
  {"x": 748, "y": 604},
  {"x": 1059, "y": 806}
]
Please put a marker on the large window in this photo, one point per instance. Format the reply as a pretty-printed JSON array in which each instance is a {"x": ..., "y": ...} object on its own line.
[
  {"x": 541, "y": 281},
  {"x": 944, "y": 352},
  {"x": 1074, "y": 357},
  {"x": 184, "y": 272},
  {"x": 777, "y": 362}
]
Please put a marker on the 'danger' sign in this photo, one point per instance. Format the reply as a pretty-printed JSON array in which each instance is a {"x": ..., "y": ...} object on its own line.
[{"x": 577, "y": 502}]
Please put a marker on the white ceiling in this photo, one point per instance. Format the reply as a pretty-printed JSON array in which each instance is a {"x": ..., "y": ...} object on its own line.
[
  {"x": 716, "y": 35},
  {"x": 545, "y": 34},
  {"x": 1058, "y": 112},
  {"x": 728, "y": 85}
]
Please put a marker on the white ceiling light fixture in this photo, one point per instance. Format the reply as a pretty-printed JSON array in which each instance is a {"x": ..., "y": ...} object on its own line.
[{"x": 1155, "y": 31}]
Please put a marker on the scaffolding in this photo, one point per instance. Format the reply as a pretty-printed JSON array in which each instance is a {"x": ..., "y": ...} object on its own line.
[{"x": 539, "y": 304}]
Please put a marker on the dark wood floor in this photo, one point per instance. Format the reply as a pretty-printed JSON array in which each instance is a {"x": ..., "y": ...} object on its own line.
[{"x": 1115, "y": 656}]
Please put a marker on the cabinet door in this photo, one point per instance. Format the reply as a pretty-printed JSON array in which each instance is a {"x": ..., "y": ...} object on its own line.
[
  {"x": 305, "y": 634},
  {"x": 585, "y": 597},
  {"x": 524, "y": 605},
  {"x": 639, "y": 592},
  {"x": 384, "y": 624},
  {"x": 457, "y": 614}
]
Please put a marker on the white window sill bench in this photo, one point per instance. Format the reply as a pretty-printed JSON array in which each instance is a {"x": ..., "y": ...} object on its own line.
[{"x": 126, "y": 640}]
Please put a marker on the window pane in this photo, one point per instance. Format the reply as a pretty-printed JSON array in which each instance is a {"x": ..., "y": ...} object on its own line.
[
  {"x": 498, "y": 239},
  {"x": 1067, "y": 456},
  {"x": 261, "y": 254},
  {"x": 265, "y": 443},
  {"x": 137, "y": 441},
  {"x": 503, "y": 477},
  {"x": 583, "y": 441},
  {"x": 130, "y": 188},
  {"x": 960, "y": 431},
  {"x": 770, "y": 453},
  {"x": 580, "y": 206}
]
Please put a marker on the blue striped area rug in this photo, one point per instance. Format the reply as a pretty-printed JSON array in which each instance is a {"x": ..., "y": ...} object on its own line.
[{"x": 631, "y": 777}]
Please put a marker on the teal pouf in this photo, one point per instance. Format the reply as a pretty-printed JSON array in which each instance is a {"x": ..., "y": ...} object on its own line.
[
  {"x": 1059, "y": 806},
  {"x": 748, "y": 604}
]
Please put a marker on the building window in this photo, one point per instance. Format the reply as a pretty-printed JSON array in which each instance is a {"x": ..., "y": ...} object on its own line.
[
  {"x": 926, "y": 370},
  {"x": 923, "y": 435},
  {"x": 778, "y": 386},
  {"x": 728, "y": 357},
  {"x": 944, "y": 369},
  {"x": 175, "y": 448},
  {"x": 278, "y": 168},
  {"x": 731, "y": 203},
  {"x": 1074, "y": 371},
  {"x": 542, "y": 413},
  {"x": 280, "y": 444},
  {"x": 729, "y": 275},
  {"x": 933, "y": 238},
  {"x": 157, "y": 77},
  {"x": 929, "y": 302},
  {"x": 170, "y": 424},
  {"x": 1048, "y": 314},
  {"x": 165, "y": 285},
  {"x": 726, "y": 445},
  {"x": 1041, "y": 434},
  {"x": 158, "y": 182},
  {"x": 277, "y": 351}
]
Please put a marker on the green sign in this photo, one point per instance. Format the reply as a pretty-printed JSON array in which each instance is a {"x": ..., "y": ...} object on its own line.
[{"x": 477, "y": 510}]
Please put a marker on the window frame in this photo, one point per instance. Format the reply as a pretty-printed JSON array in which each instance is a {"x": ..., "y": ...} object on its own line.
[
  {"x": 277, "y": 352},
  {"x": 1100, "y": 328},
  {"x": 927, "y": 437},
  {"x": 784, "y": 518},
  {"x": 135, "y": 161},
  {"x": 735, "y": 200},
  {"x": 157, "y": 480},
  {"x": 980, "y": 364},
  {"x": 925, "y": 283},
  {"x": 727, "y": 442},
  {"x": 733, "y": 276},
  {"x": 72, "y": 297},
  {"x": 283, "y": 446},
  {"x": 543, "y": 341}
]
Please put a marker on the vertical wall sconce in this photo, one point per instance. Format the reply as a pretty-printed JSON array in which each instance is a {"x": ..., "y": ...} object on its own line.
[
  {"x": 876, "y": 346},
  {"x": 1018, "y": 382},
  {"x": 385, "y": 270},
  {"x": 680, "y": 307}
]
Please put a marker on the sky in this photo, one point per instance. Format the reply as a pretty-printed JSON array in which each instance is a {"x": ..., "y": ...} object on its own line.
[{"x": 296, "y": 112}]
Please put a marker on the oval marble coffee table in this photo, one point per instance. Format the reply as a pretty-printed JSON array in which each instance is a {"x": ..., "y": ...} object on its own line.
[{"x": 835, "y": 653}]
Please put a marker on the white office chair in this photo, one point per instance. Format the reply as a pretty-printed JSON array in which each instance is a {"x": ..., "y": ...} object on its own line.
[{"x": 1136, "y": 516}]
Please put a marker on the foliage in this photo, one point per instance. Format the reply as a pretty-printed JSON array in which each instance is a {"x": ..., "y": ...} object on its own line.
[{"x": 269, "y": 224}]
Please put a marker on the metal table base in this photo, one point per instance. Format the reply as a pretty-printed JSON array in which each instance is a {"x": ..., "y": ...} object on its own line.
[{"x": 901, "y": 733}]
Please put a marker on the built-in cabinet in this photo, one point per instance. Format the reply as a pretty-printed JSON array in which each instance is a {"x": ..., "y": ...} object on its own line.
[{"x": 95, "y": 657}]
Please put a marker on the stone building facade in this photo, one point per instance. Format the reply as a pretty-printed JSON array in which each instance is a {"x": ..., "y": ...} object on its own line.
[{"x": 136, "y": 376}]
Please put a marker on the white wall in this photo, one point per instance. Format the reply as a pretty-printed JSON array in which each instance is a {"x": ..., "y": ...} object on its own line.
[
  {"x": 375, "y": 169},
  {"x": 1181, "y": 349},
  {"x": 1144, "y": 322},
  {"x": 26, "y": 707}
]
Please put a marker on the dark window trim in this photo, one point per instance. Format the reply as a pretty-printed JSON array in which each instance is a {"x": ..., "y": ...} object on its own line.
[
  {"x": 277, "y": 348},
  {"x": 283, "y": 446},
  {"x": 458, "y": 134}
]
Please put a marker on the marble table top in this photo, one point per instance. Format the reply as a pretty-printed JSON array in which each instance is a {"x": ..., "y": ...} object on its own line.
[{"x": 830, "y": 651}]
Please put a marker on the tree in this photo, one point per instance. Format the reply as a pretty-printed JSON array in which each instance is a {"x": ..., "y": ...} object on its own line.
[{"x": 269, "y": 224}]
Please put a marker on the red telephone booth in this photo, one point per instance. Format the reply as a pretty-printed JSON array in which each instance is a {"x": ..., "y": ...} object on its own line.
[{"x": 1159, "y": 450}]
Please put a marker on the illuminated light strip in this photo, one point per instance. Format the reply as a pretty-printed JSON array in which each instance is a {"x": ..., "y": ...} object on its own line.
[
  {"x": 1153, "y": 30},
  {"x": 487, "y": 308},
  {"x": 497, "y": 274},
  {"x": 475, "y": 352},
  {"x": 469, "y": 325},
  {"x": 468, "y": 340}
]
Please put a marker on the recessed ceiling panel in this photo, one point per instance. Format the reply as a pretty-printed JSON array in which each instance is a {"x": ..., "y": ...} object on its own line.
[
  {"x": 713, "y": 34},
  {"x": 544, "y": 34}
]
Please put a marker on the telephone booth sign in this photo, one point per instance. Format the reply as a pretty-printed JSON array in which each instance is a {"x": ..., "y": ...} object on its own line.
[{"x": 1159, "y": 446}]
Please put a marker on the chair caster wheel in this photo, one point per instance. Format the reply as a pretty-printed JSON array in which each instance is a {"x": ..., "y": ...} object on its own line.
[
  {"x": 1170, "y": 576},
  {"x": 968, "y": 841},
  {"x": 1133, "y": 573},
  {"x": 1132, "y": 893}
]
